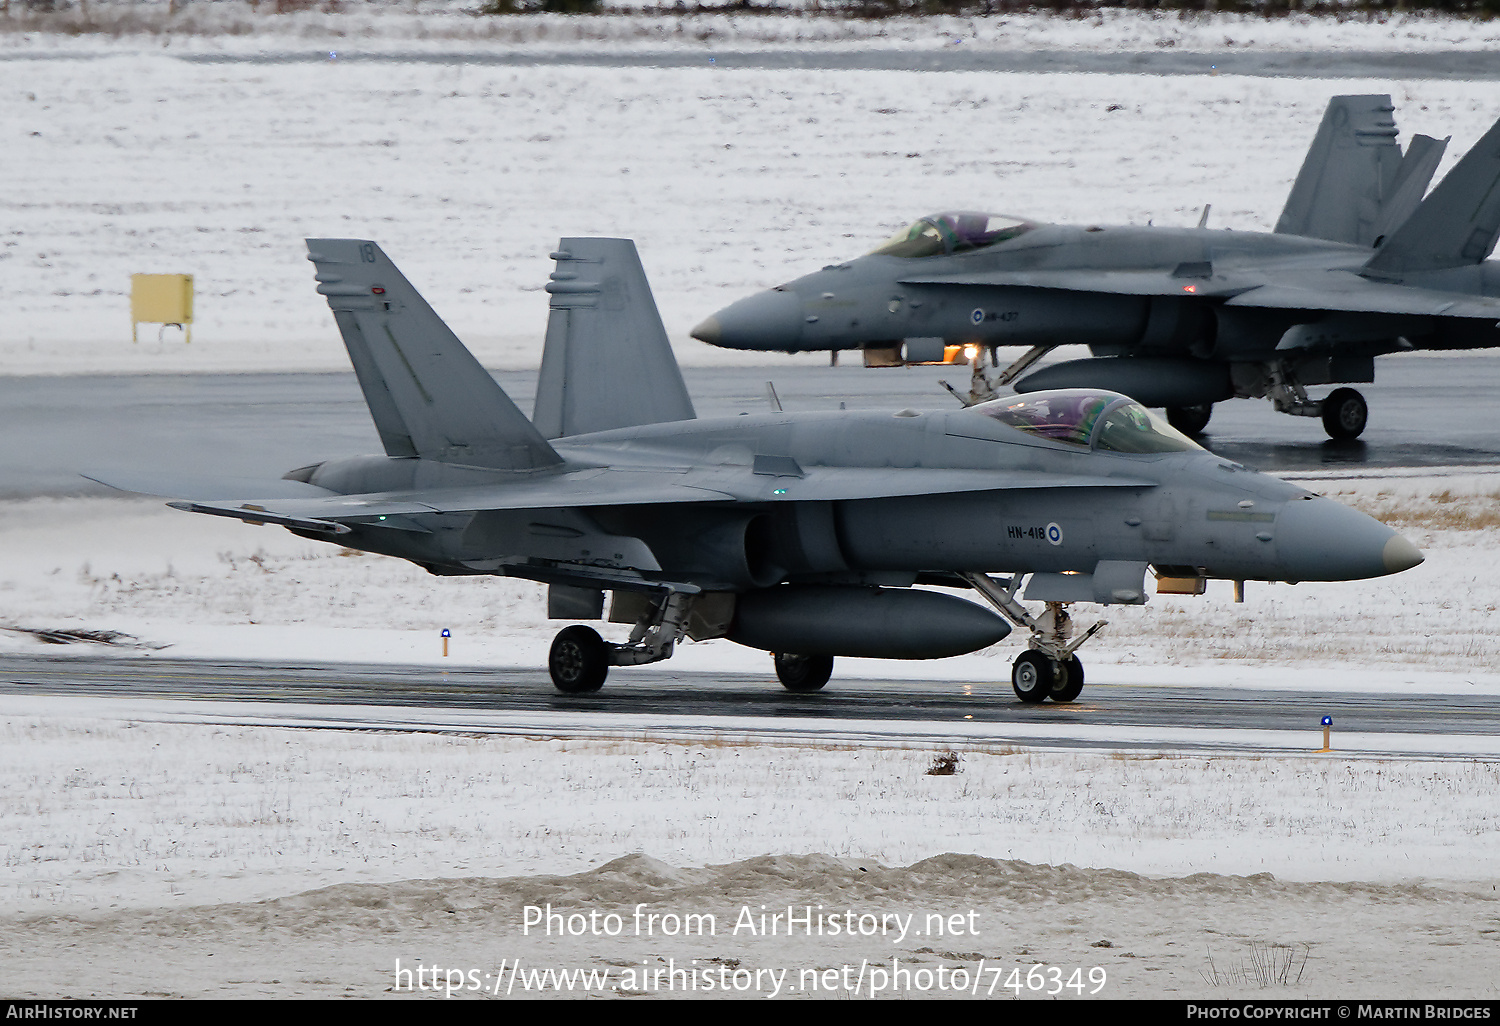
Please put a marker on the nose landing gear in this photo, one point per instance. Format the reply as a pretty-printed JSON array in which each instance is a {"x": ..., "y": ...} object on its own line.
[
  {"x": 1036, "y": 677},
  {"x": 1048, "y": 669}
]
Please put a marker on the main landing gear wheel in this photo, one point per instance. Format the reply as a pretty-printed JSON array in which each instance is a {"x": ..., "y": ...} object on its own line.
[
  {"x": 1190, "y": 420},
  {"x": 1033, "y": 676},
  {"x": 1070, "y": 681},
  {"x": 1345, "y": 413},
  {"x": 803, "y": 673},
  {"x": 579, "y": 660}
]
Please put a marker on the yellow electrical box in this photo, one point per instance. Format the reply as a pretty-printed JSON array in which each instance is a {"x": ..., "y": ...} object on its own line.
[{"x": 161, "y": 299}]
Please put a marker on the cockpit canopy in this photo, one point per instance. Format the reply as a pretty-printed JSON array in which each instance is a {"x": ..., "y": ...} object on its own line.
[
  {"x": 1089, "y": 418},
  {"x": 952, "y": 232}
]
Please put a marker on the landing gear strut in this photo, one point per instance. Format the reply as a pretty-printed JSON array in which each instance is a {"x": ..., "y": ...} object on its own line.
[
  {"x": 580, "y": 659},
  {"x": 1344, "y": 412},
  {"x": 1048, "y": 669},
  {"x": 981, "y": 387}
]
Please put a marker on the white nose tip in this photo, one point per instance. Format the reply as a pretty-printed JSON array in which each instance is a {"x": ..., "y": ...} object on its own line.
[
  {"x": 1400, "y": 554},
  {"x": 1321, "y": 540}
]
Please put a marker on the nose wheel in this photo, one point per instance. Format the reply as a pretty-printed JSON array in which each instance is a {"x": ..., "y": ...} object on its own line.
[{"x": 1036, "y": 677}]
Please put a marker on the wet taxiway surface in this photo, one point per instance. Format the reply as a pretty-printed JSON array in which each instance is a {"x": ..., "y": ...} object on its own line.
[
  {"x": 1424, "y": 412},
  {"x": 712, "y": 698}
]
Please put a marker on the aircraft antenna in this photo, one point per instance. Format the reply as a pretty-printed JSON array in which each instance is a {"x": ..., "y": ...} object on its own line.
[{"x": 772, "y": 397}]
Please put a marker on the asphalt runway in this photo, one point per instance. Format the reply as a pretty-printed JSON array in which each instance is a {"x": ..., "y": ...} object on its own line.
[
  {"x": 1425, "y": 411},
  {"x": 729, "y": 701}
]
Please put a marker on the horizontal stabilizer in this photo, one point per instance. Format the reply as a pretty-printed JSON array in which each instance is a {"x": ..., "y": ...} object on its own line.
[
  {"x": 252, "y": 513},
  {"x": 607, "y": 362},
  {"x": 179, "y": 485},
  {"x": 428, "y": 395},
  {"x": 1457, "y": 224}
]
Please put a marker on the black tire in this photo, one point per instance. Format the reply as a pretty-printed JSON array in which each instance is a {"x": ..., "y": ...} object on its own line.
[
  {"x": 578, "y": 661},
  {"x": 1070, "y": 681},
  {"x": 802, "y": 673},
  {"x": 1033, "y": 676},
  {"x": 1190, "y": 420},
  {"x": 1345, "y": 414}
]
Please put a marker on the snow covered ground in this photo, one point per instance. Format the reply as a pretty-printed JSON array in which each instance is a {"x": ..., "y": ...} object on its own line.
[
  {"x": 134, "y": 161},
  {"x": 248, "y": 26},
  {"x": 129, "y": 833},
  {"x": 143, "y": 857}
]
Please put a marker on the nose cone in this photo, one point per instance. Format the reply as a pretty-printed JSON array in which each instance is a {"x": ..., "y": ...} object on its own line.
[
  {"x": 1320, "y": 540},
  {"x": 768, "y": 320}
]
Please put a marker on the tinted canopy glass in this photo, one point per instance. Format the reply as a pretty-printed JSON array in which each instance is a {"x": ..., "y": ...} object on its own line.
[
  {"x": 1085, "y": 417},
  {"x": 952, "y": 232}
]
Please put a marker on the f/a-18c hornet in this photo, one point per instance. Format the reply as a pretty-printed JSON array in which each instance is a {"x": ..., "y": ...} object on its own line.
[
  {"x": 802, "y": 534},
  {"x": 1359, "y": 265}
]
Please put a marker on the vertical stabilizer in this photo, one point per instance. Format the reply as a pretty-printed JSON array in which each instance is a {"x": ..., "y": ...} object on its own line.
[
  {"x": 1455, "y": 226},
  {"x": 428, "y": 395},
  {"x": 1412, "y": 178},
  {"x": 1347, "y": 175},
  {"x": 607, "y": 362}
]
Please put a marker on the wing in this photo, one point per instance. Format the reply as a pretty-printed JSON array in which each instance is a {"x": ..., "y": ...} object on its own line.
[
  {"x": 1344, "y": 291},
  {"x": 598, "y": 487}
]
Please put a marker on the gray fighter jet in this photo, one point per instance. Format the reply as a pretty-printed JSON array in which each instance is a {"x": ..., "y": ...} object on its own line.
[
  {"x": 801, "y": 534},
  {"x": 1359, "y": 265}
]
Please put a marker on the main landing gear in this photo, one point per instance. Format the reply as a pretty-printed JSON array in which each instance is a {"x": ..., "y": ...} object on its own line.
[
  {"x": 1048, "y": 669},
  {"x": 1190, "y": 420},
  {"x": 1344, "y": 413},
  {"x": 803, "y": 673},
  {"x": 580, "y": 659}
]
